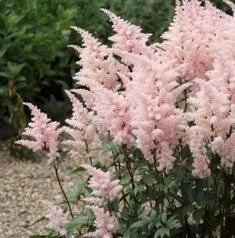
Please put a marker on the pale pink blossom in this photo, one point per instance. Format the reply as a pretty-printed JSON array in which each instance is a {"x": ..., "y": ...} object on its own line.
[
  {"x": 83, "y": 141},
  {"x": 228, "y": 151},
  {"x": 190, "y": 37},
  {"x": 104, "y": 189},
  {"x": 42, "y": 133},
  {"x": 137, "y": 105},
  {"x": 57, "y": 219},
  {"x": 128, "y": 37},
  {"x": 223, "y": 76},
  {"x": 102, "y": 184},
  {"x": 152, "y": 93},
  {"x": 143, "y": 101},
  {"x": 105, "y": 223},
  {"x": 99, "y": 67},
  {"x": 201, "y": 168},
  {"x": 211, "y": 112},
  {"x": 113, "y": 115}
]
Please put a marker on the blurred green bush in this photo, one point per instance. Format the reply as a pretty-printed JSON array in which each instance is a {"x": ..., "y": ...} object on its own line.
[{"x": 35, "y": 65}]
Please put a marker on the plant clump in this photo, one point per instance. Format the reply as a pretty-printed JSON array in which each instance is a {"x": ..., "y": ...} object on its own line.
[{"x": 154, "y": 131}]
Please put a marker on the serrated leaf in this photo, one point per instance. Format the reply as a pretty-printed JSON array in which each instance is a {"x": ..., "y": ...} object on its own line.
[
  {"x": 162, "y": 232},
  {"x": 5, "y": 75},
  {"x": 199, "y": 193},
  {"x": 78, "y": 170},
  {"x": 78, "y": 223},
  {"x": 172, "y": 223},
  {"x": 126, "y": 180},
  {"x": 139, "y": 188},
  {"x": 139, "y": 224},
  {"x": 187, "y": 192},
  {"x": 4, "y": 49},
  {"x": 149, "y": 179}
]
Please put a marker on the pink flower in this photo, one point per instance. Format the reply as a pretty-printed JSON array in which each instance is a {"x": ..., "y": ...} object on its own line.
[
  {"x": 102, "y": 184},
  {"x": 210, "y": 110},
  {"x": 225, "y": 148},
  {"x": 42, "y": 132},
  {"x": 104, "y": 189},
  {"x": 99, "y": 67},
  {"x": 105, "y": 224},
  {"x": 201, "y": 168},
  {"x": 152, "y": 93},
  {"x": 228, "y": 151},
  {"x": 128, "y": 37},
  {"x": 84, "y": 142},
  {"x": 135, "y": 100},
  {"x": 190, "y": 38},
  {"x": 57, "y": 219},
  {"x": 113, "y": 115}
]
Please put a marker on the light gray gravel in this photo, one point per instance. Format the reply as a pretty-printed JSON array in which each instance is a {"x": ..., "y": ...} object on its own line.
[{"x": 24, "y": 184}]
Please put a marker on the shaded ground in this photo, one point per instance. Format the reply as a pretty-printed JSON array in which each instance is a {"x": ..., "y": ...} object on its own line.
[{"x": 23, "y": 185}]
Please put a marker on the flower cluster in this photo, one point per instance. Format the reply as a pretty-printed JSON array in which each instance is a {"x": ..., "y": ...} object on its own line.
[
  {"x": 102, "y": 184},
  {"x": 133, "y": 89},
  {"x": 190, "y": 36},
  {"x": 83, "y": 141},
  {"x": 57, "y": 219},
  {"x": 105, "y": 223},
  {"x": 159, "y": 98},
  {"x": 140, "y": 109},
  {"x": 42, "y": 132},
  {"x": 104, "y": 190}
]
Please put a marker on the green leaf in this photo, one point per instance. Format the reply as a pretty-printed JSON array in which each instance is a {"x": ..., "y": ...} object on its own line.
[
  {"x": 18, "y": 117},
  {"x": 4, "y": 49},
  {"x": 187, "y": 192},
  {"x": 149, "y": 179},
  {"x": 5, "y": 75},
  {"x": 164, "y": 217},
  {"x": 199, "y": 193},
  {"x": 108, "y": 145},
  {"x": 3, "y": 91},
  {"x": 15, "y": 69},
  {"x": 172, "y": 223},
  {"x": 78, "y": 223},
  {"x": 162, "y": 232},
  {"x": 78, "y": 170},
  {"x": 139, "y": 224},
  {"x": 115, "y": 204},
  {"x": 79, "y": 188},
  {"x": 139, "y": 188},
  {"x": 126, "y": 180}
]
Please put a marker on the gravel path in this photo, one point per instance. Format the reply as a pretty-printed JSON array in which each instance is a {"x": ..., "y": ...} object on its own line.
[{"x": 24, "y": 184}]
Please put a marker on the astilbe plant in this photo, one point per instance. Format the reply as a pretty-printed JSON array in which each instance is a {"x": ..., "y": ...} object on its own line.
[{"x": 153, "y": 129}]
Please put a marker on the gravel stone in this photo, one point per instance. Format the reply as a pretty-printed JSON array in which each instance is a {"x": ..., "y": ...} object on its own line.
[{"x": 24, "y": 184}]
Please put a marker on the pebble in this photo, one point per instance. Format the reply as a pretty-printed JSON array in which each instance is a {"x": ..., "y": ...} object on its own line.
[{"x": 24, "y": 184}]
